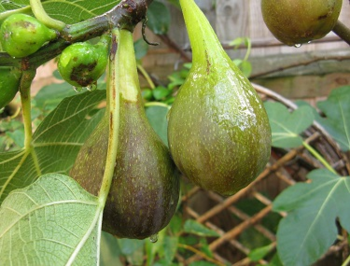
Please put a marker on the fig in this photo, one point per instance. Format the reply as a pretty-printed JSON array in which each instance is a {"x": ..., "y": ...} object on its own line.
[
  {"x": 294, "y": 22},
  {"x": 82, "y": 63},
  {"x": 22, "y": 35},
  {"x": 145, "y": 186},
  {"x": 9, "y": 84},
  {"x": 218, "y": 132}
]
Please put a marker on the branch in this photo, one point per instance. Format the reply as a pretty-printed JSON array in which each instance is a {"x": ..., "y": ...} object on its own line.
[
  {"x": 305, "y": 63},
  {"x": 125, "y": 15},
  {"x": 342, "y": 31}
]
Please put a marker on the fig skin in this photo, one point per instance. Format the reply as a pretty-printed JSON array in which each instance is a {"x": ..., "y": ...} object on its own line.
[
  {"x": 9, "y": 84},
  {"x": 295, "y": 22},
  {"x": 22, "y": 35},
  {"x": 218, "y": 132},
  {"x": 145, "y": 187},
  {"x": 81, "y": 64}
]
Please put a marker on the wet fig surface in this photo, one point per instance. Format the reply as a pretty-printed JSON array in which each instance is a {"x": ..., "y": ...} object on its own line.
[
  {"x": 218, "y": 132},
  {"x": 145, "y": 186},
  {"x": 295, "y": 22}
]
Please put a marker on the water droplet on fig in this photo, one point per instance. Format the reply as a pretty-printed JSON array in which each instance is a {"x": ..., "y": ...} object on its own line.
[
  {"x": 297, "y": 45},
  {"x": 153, "y": 238},
  {"x": 92, "y": 86},
  {"x": 77, "y": 89}
]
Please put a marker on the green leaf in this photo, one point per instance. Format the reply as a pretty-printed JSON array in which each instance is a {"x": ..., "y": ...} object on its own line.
[
  {"x": 157, "y": 23},
  {"x": 309, "y": 228},
  {"x": 246, "y": 68},
  {"x": 68, "y": 11},
  {"x": 204, "y": 247},
  {"x": 286, "y": 126},
  {"x": 337, "y": 110},
  {"x": 202, "y": 263},
  {"x": 50, "y": 96},
  {"x": 157, "y": 116},
  {"x": 55, "y": 144},
  {"x": 160, "y": 92},
  {"x": 193, "y": 227},
  {"x": 175, "y": 224},
  {"x": 17, "y": 136},
  {"x": 153, "y": 249},
  {"x": 170, "y": 248},
  {"x": 52, "y": 222},
  {"x": 141, "y": 48},
  {"x": 176, "y": 3},
  {"x": 261, "y": 252},
  {"x": 129, "y": 246},
  {"x": 110, "y": 250}
]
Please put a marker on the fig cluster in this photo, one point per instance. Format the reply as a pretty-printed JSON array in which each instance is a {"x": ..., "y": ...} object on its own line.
[{"x": 218, "y": 131}]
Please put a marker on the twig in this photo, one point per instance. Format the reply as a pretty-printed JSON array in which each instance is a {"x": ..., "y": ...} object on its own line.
[
  {"x": 342, "y": 31},
  {"x": 172, "y": 45},
  {"x": 201, "y": 254},
  {"x": 125, "y": 15},
  {"x": 305, "y": 63}
]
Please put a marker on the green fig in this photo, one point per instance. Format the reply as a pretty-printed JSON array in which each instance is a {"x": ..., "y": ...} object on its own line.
[
  {"x": 295, "y": 22},
  {"x": 145, "y": 186},
  {"x": 22, "y": 35},
  {"x": 218, "y": 132},
  {"x": 82, "y": 63},
  {"x": 9, "y": 83}
]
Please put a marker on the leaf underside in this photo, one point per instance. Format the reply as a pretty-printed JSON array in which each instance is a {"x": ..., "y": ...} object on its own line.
[
  {"x": 68, "y": 11},
  {"x": 51, "y": 222},
  {"x": 55, "y": 144}
]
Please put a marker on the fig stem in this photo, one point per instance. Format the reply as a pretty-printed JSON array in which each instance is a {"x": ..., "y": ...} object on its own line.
[
  {"x": 346, "y": 262},
  {"x": 319, "y": 157},
  {"x": 146, "y": 76},
  {"x": 342, "y": 31},
  {"x": 43, "y": 17},
  {"x": 113, "y": 107},
  {"x": 24, "y": 89},
  {"x": 150, "y": 104}
]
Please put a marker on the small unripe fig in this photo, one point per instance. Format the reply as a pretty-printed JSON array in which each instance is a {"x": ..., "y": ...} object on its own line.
[
  {"x": 81, "y": 64},
  {"x": 9, "y": 82},
  {"x": 22, "y": 35},
  {"x": 295, "y": 22}
]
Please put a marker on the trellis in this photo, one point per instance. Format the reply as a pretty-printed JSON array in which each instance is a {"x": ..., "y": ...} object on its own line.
[{"x": 286, "y": 167}]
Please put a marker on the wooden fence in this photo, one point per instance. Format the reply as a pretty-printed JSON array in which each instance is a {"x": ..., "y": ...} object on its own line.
[{"x": 324, "y": 64}]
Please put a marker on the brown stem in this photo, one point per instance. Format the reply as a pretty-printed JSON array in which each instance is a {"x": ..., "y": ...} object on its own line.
[
  {"x": 305, "y": 63},
  {"x": 172, "y": 45},
  {"x": 342, "y": 31}
]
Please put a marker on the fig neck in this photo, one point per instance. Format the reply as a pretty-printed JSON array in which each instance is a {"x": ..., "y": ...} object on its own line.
[
  {"x": 206, "y": 47},
  {"x": 126, "y": 68}
]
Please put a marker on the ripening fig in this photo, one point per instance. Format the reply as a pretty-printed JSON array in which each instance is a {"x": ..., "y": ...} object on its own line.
[
  {"x": 295, "y": 22},
  {"x": 218, "y": 133},
  {"x": 145, "y": 186},
  {"x": 9, "y": 83},
  {"x": 81, "y": 64},
  {"x": 22, "y": 35}
]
